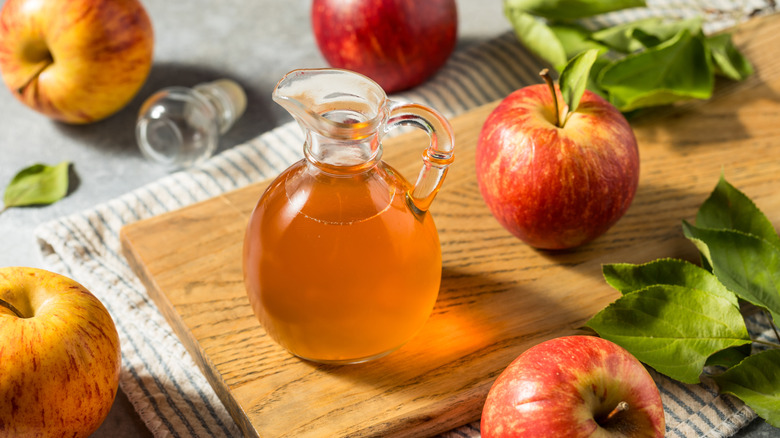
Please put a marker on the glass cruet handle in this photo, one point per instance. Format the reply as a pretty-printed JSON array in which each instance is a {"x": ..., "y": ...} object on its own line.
[{"x": 436, "y": 158}]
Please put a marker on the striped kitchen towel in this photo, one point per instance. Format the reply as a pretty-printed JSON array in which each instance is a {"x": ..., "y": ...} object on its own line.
[{"x": 159, "y": 377}]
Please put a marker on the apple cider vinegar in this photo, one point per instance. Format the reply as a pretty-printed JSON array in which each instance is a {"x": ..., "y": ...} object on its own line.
[
  {"x": 342, "y": 262},
  {"x": 341, "y": 271}
]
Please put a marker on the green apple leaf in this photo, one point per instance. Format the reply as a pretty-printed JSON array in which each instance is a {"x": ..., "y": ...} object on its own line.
[
  {"x": 756, "y": 381},
  {"x": 593, "y": 77},
  {"x": 621, "y": 37},
  {"x": 669, "y": 29},
  {"x": 37, "y": 185},
  {"x": 746, "y": 264},
  {"x": 729, "y": 357},
  {"x": 574, "y": 78},
  {"x": 729, "y": 208},
  {"x": 575, "y": 39},
  {"x": 628, "y": 278},
  {"x": 675, "y": 70},
  {"x": 536, "y": 36},
  {"x": 571, "y": 9},
  {"x": 728, "y": 61},
  {"x": 678, "y": 318},
  {"x": 656, "y": 33},
  {"x": 644, "y": 33},
  {"x": 647, "y": 62},
  {"x": 673, "y": 329}
]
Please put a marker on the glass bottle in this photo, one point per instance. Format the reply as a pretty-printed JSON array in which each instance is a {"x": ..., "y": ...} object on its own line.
[{"x": 342, "y": 262}]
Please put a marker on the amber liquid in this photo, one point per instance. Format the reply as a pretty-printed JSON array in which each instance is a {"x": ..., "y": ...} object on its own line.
[{"x": 338, "y": 269}]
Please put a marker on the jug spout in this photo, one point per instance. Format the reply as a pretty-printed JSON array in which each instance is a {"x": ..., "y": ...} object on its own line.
[
  {"x": 335, "y": 103},
  {"x": 341, "y": 108}
]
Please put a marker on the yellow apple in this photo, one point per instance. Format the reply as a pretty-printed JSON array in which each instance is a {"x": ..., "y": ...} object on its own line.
[
  {"x": 76, "y": 61},
  {"x": 59, "y": 356}
]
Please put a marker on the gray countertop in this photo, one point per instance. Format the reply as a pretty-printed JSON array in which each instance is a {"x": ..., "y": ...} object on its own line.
[{"x": 254, "y": 42}]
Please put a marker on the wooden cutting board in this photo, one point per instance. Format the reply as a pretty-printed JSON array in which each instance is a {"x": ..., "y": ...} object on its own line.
[{"x": 498, "y": 296}]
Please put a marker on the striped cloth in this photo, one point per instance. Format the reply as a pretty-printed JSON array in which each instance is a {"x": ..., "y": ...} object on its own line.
[{"x": 158, "y": 376}]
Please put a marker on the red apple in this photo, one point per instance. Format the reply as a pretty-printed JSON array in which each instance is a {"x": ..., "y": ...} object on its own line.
[
  {"x": 556, "y": 187},
  {"x": 574, "y": 387},
  {"x": 76, "y": 61},
  {"x": 59, "y": 356},
  {"x": 397, "y": 43}
]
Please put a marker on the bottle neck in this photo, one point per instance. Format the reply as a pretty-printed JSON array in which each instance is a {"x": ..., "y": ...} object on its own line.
[
  {"x": 350, "y": 148},
  {"x": 342, "y": 156}
]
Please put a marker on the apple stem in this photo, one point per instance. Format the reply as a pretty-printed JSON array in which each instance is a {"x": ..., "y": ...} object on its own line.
[
  {"x": 42, "y": 66},
  {"x": 621, "y": 407},
  {"x": 545, "y": 74},
  {"x": 9, "y": 306}
]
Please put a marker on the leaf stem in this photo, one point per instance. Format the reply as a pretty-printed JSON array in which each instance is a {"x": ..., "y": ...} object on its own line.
[
  {"x": 545, "y": 74},
  {"x": 767, "y": 343},
  {"x": 772, "y": 324}
]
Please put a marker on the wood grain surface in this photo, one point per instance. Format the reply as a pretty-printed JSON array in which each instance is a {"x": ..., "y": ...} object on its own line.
[{"x": 498, "y": 296}]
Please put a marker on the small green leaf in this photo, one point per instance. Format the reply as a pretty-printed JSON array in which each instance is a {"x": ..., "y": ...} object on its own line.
[
  {"x": 756, "y": 381},
  {"x": 675, "y": 70},
  {"x": 644, "y": 33},
  {"x": 575, "y": 39},
  {"x": 621, "y": 37},
  {"x": 37, "y": 184},
  {"x": 536, "y": 36},
  {"x": 593, "y": 77},
  {"x": 729, "y": 208},
  {"x": 645, "y": 39},
  {"x": 728, "y": 61},
  {"x": 571, "y": 9},
  {"x": 669, "y": 29},
  {"x": 673, "y": 329},
  {"x": 628, "y": 278},
  {"x": 574, "y": 78},
  {"x": 729, "y": 357},
  {"x": 747, "y": 265}
]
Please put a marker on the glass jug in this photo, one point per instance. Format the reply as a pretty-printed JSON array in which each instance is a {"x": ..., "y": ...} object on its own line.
[{"x": 342, "y": 262}]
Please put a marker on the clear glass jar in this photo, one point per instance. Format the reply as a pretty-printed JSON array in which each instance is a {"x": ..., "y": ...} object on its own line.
[{"x": 342, "y": 262}]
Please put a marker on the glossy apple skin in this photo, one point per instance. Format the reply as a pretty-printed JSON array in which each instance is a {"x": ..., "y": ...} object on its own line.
[
  {"x": 556, "y": 188},
  {"x": 558, "y": 388},
  {"x": 101, "y": 51},
  {"x": 60, "y": 364},
  {"x": 397, "y": 43}
]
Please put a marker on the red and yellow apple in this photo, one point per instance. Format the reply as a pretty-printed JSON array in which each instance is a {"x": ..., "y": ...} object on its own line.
[
  {"x": 59, "y": 356},
  {"x": 574, "y": 387},
  {"x": 552, "y": 186},
  {"x": 397, "y": 43},
  {"x": 75, "y": 61}
]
